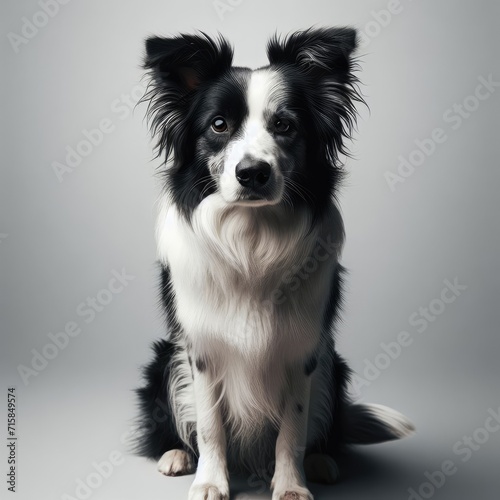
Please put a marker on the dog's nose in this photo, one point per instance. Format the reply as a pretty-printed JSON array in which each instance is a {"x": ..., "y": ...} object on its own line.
[{"x": 251, "y": 173}]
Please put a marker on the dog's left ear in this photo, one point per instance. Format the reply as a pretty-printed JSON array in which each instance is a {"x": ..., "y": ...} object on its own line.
[
  {"x": 178, "y": 66},
  {"x": 318, "y": 52},
  {"x": 185, "y": 61}
]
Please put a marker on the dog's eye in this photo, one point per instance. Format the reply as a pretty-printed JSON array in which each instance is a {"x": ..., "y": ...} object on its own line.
[
  {"x": 219, "y": 125},
  {"x": 281, "y": 126}
]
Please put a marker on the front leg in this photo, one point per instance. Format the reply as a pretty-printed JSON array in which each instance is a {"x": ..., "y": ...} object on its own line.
[
  {"x": 289, "y": 478},
  {"x": 211, "y": 481}
]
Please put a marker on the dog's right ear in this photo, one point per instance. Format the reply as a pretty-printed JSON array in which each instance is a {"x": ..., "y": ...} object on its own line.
[
  {"x": 177, "y": 67},
  {"x": 324, "y": 57},
  {"x": 322, "y": 52},
  {"x": 185, "y": 61}
]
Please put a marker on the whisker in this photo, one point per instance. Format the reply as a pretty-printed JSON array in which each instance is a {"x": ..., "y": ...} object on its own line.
[{"x": 303, "y": 192}]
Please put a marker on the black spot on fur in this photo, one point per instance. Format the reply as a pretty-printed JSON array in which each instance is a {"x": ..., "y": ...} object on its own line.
[
  {"x": 201, "y": 366},
  {"x": 300, "y": 408},
  {"x": 191, "y": 366}
]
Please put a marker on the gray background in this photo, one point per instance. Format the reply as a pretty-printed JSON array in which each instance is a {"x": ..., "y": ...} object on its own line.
[{"x": 60, "y": 241}]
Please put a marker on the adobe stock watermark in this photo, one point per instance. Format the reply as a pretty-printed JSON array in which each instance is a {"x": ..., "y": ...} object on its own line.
[
  {"x": 120, "y": 108},
  {"x": 87, "y": 484},
  {"x": 380, "y": 20},
  {"x": 463, "y": 448},
  {"x": 223, "y": 7},
  {"x": 31, "y": 27},
  {"x": 101, "y": 471},
  {"x": 420, "y": 320},
  {"x": 453, "y": 117},
  {"x": 88, "y": 310}
]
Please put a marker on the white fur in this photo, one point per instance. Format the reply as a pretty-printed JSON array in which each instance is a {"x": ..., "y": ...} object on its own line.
[
  {"x": 399, "y": 425},
  {"x": 291, "y": 444},
  {"x": 176, "y": 463},
  {"x": 211, "y": 260},
  {"x": 212, "y": 477},
  {"x": 181, "y": 393},
  {"x": 256, "y": 141}
]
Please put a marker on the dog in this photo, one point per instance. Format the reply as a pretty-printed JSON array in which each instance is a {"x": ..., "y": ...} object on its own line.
[{"x": 249, "y": 239}]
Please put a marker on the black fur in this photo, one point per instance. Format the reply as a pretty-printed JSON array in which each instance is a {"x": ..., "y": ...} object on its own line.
[
  {"x": 334, "y": 439},
  {"x": 311, "y": 364},
  {"x": 318, "y": 65},
  {"x": 157, "y": 431},
  {"x": 335, "y": 301},
  {"x": 167, "y": 300}
]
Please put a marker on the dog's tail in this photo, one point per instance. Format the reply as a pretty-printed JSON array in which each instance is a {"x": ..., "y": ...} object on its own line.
[{"x": 372, "y": 423}]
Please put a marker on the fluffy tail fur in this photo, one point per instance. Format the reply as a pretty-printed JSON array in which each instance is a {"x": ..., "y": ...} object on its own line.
[{"x": 372, "y": 423}]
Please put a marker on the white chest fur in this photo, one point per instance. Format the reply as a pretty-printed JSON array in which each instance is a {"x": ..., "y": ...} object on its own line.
[{"x": 241, "y": 279}]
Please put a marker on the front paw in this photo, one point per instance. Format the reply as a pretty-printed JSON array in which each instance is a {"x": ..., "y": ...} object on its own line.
[
  {"x": 176, "y": 463},
  {"x": 292, "y": 493},
  {"x": 208, "y": 492}
]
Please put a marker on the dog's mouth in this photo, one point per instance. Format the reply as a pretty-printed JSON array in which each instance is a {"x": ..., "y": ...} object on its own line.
[
  {"x": 251, "y": 197},
  {"x": 258, "y": 197}
]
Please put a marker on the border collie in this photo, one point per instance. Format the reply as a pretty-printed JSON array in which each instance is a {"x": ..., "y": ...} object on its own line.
[{"x": 249, "y": 239}]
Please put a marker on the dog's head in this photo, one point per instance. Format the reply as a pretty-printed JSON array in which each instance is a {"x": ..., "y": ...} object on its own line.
[{"x": 255, "y": 137}]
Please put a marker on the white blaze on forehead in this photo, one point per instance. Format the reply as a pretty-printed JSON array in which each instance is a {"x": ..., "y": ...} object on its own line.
[
  {"x": 262, "y": 90},
  {"x": 256, "y": 141}
]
